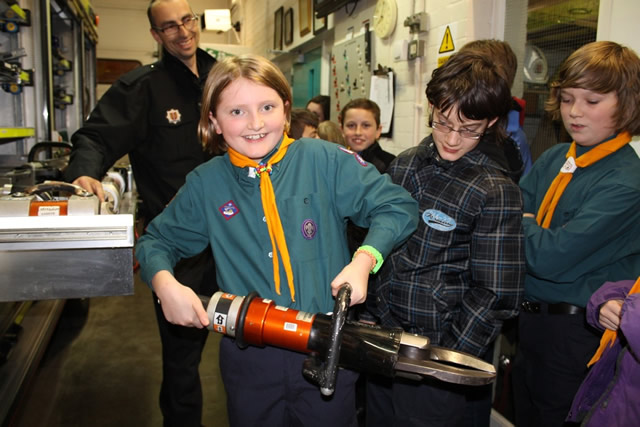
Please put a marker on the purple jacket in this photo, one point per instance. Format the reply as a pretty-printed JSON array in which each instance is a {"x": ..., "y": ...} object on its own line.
[{"x": 609, "y": 395}]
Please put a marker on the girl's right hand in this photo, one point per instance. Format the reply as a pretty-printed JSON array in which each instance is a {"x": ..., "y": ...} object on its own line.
[
  {"x": 180, "y": 304},
  {"x": 610, "y": 314}
]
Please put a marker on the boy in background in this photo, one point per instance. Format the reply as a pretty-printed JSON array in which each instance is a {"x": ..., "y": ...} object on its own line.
[
  {"x": 320, "y": 105},
  {"x": 360, "y": 121},
  {"x": 505, "y": 59},
  {"x": 304, "y": 124}
]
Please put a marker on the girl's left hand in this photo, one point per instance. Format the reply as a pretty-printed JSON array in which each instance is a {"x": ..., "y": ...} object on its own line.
[{"x": 356, "y": 274}]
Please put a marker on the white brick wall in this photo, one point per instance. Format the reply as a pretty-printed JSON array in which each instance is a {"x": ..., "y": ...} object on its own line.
[
  {"x": 123, "y": 31},
  {"x": 409, "y": 125}
]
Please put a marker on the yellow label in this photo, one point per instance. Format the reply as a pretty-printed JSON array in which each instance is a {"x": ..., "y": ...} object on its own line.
[{"x": 442, "y": 60}]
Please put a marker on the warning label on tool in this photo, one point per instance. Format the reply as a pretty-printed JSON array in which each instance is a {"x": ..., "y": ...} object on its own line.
[{"x": 49, "y": 211}]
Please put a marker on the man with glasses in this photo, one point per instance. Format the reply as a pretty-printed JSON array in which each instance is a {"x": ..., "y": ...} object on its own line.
[
  {"x": 461, "y": 274},
  {"x": 152, "y": 114}
]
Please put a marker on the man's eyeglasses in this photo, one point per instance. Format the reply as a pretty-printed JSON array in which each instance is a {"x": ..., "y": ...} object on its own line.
[
  {"x": 188, "y": 23},
  {"x": 441, "y": 127}
]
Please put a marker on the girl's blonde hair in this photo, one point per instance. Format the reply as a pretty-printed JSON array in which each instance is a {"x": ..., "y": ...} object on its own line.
[
  {"x": 251, "y": 67},
  {"x": 602, "y": 67},
  {"x": 332, "y": 132}
]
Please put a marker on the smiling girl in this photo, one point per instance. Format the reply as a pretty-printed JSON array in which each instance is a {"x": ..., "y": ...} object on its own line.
[{"x": 274, "y": 211}]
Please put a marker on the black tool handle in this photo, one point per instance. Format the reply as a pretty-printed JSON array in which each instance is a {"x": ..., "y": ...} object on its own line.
[{"x": 330, "y": 372}]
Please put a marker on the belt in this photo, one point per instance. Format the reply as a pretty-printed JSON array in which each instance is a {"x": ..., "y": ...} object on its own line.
[{"x": 544, "y": 308}]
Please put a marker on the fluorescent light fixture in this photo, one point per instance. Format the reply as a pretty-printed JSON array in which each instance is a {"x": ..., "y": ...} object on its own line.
[{"x": 216, "y": 20}]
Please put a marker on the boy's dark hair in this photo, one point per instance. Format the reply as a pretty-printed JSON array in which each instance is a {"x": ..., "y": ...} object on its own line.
[
  {"x": 472, "y": 83},
  {"x": 363, "y": 104},
  {"x": 602, "y": 67},
  {"x": 325, "y": 102},
  {"x": 498, "y": 51},
  {"x": 300, "y": 118}
]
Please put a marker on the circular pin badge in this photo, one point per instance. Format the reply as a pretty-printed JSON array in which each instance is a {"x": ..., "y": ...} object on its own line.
[{"x": 309, "y": 229}]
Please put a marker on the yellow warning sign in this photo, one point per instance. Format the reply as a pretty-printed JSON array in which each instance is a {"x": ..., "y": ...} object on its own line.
[
  {"x": 443, "y": 59},
  {"x": 447, "y": 42}
]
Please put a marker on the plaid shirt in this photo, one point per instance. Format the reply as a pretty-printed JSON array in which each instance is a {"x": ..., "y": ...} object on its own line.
[{"x": 461, "y": 274}]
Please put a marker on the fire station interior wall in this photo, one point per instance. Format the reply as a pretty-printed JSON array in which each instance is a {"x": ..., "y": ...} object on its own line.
[
  {"x": 465, "y": 20},
  {"x": 616, "y": 21},
  {"x": 123, "y": 30}
]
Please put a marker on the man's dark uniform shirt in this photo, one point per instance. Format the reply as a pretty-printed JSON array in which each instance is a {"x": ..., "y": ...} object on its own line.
[{"x": 152, "y": 114}]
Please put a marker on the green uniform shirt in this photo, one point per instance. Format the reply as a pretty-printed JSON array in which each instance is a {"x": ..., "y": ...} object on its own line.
[
  {"x": 594, "y": 235},
  {"x": 318, "y": 185}
]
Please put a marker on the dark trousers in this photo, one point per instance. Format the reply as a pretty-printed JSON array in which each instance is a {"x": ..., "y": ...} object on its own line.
[
  {"x": 265, "y": 387},
  {"x": 550, "y": 364},
  {"x": 479, "y": 399},
  {"x": 430, "y": 402},
  {"x": 406, "y": 403},
  {"x": 181, "y": 391}
]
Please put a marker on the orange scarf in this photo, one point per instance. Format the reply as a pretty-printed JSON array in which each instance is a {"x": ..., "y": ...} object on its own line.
[
  {"x": 609, "y": 336},
  {"x": 557, "y": 187},
  {"x": 274, "y": 225}
]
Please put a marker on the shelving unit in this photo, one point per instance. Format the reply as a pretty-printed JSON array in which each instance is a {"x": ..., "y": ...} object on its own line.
[
  {"x": 47, "y": 88},
  {"x": 47, "y": 73}
]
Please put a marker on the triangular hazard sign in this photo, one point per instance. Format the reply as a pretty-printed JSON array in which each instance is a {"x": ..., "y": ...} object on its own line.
[{"x": 447, "y": 42}]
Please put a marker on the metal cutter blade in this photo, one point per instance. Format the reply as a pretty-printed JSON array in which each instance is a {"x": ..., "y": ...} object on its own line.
[{"x": 444, "y": 364}]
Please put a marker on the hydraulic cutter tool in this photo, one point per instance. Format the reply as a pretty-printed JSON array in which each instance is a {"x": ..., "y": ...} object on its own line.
[{"x": 332, "y": 341}]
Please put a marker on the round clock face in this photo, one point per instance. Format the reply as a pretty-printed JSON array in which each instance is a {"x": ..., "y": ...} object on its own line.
[{"x": 384, "y": 18}]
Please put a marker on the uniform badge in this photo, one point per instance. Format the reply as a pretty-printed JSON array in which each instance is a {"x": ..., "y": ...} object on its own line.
[
  {"x": 360, "y": 160},
  {"x": 229, "y": 210},
  {"x": 438, "y": 220},
  {"x": 309, "y": 229},
  {"x": 174, "y": 116}
]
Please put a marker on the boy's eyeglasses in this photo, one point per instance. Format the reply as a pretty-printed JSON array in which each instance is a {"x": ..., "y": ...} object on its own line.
[
  {"x": 188, "y": 23},
  {"x": 441, "y": 127}
]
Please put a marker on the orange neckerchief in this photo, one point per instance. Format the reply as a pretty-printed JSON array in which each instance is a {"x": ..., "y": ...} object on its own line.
[
  {"x": 609, "y": 336},
  {"x": 557, "y": 187},
  {"x": 274, "y": 225}
]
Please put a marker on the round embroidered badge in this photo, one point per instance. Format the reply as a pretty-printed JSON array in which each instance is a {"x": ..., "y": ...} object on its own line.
[{"x": 309, "y": 229}]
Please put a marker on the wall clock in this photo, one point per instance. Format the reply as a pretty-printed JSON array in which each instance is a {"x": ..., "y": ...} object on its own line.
[{"x": 385, "y": 17}]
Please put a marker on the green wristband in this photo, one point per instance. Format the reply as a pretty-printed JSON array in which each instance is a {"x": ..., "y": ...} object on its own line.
[{"x": 375, "y": 254}]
